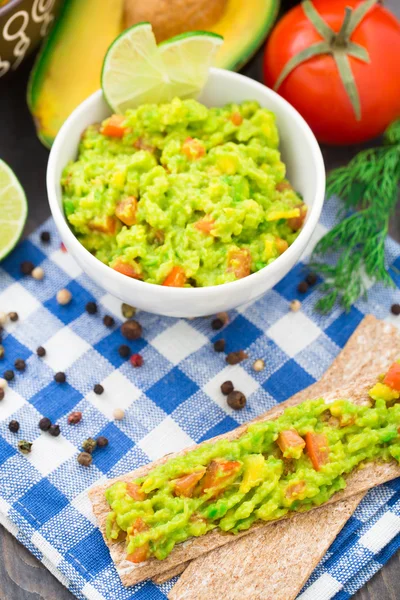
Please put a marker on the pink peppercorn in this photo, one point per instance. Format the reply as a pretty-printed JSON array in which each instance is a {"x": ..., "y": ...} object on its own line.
[
  {"x": 136, "y": 360},
  {"x": 74, "y": 417}
]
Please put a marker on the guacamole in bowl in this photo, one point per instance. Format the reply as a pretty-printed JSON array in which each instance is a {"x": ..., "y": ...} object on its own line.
[{"x": 183, "y": 195}]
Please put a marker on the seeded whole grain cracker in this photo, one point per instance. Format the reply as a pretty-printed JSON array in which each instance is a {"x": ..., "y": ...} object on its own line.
[{"x": 370, "y": 350}]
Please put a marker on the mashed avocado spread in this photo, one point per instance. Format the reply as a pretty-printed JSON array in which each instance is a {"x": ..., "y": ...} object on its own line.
[
  {"x": 182, "y": 195},
  {"x": 292, "y": 463}
]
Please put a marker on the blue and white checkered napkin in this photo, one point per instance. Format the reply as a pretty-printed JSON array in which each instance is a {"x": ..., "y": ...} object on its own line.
[{"x": 171, "y": 402}]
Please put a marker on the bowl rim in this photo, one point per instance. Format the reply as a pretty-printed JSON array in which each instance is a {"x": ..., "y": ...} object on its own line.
[{"x": 174, "y": 293}]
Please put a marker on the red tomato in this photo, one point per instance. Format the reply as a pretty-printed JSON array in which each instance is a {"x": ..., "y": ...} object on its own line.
[
  {"x": 126, "y": 210},
  {"x": 289, "y": 439},
  {"x": 141, "y": 553},
  {"x": 126, "y": 269},
  {"x": 185, "y": 485},
  {"x": 135, "y": 491},
  {"x": 205, "y": 225},
  {"x": 113, "y": 127},
  {"x": 392, "y": 378},
  {"x": 239, "y": 262},
  {"x": 317, "y": 449},
  {"x": 315, "y": 88},
  {"x": 175, "y": 278}
]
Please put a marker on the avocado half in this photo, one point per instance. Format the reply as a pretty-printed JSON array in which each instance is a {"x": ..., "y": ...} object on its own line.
[{"x": 67, "y": 69}]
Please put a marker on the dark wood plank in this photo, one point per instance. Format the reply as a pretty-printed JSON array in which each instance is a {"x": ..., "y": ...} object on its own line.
[{"x": 22, "y": 577}]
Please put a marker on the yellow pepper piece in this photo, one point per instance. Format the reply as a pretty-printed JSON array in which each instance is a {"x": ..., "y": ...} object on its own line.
[
  {"x": 283, "y": 214},
  {"x": 253, "y": 472},
  {"x": 380, "y": 391}
]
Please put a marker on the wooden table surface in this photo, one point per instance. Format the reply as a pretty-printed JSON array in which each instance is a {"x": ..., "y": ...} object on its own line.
[{"x": 22, "y": 577}]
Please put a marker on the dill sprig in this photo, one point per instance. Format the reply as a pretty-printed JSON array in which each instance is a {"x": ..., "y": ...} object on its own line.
[{"x": 368, "y": 186}]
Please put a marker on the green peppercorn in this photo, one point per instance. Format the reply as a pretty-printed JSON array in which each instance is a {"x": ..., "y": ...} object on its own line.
[
  {"x": 24, "y": 446},
  {"x": 128, "y": 311},
  {"x": 89, "y": 445}
]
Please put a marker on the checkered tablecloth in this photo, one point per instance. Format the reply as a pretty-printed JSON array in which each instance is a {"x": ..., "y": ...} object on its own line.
[{"x": 171, "y": 402}]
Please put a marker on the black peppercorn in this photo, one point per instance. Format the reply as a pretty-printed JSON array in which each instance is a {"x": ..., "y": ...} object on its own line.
[
  {"x": 234, "y": 358},
  {"x": 54, "y": 430},
  {"x": 20, "y": 364},
  {"x": 60, "y": 377},
  {"x": 45, "y": 237},
  {"x": 84, "y": 459},
  {"x": 124, "y": 351},
  {"x": 227, "y": 387},
  {"x": 312, "y": 278},
  {"x": 132, "y": 330},
  {"x": 395, "y": 309},
  {"x": 108, "y": 321},
  {"x": 98, "y": 389},
  {"x": 102, "y": 442},
  {"x": 219, "y": 345},
  {"x": 2, "y": 394},
  {"x": 302, "y": 287},
  {"x": 89, "y": 445},
  {"x": 13, "y": 426},
  {"x": 9, "y": 375},
  {"x": 217, "y": 324},
  {"x": 91, "y": 308},
  {"x": 40, "y": 351},
  {"x": 27, "y": 267},
  {"x": 236, "y": 400},
  {"x": 13, "y": 316},
  {"x": 44, "y": 424}
]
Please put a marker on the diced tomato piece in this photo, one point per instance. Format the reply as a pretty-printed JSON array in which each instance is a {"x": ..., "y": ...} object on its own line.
[
  {"x": 176, "y": 278},
  {"x": 239, "y": 262},
  {"x": 283, "y": 185},
  {"x": 236, "y": 118},
  {"x": 219, "y": 474},
  {"x": 126, "y": 269},
  {"x": 63, "y": 248},
  {"x": 103, "y": 225},
  {"x": 126, "y": 210},
  {"x": 205, "y": 225},
  {"x": 281, "y": 245},
  {"x": 135, "y": 491},
  {"x": 296, "y": 223},
  {"x": 141, "y": 553},
  {"x": 392, "y": 377},
  {"x": 317, "y": 449},
  {"x": 185, "y": 485},
  {"x": 113, "y": 126},
  {"x": 193, "y": 149},
  {"x": 159, "y": 236},
  {"x": 295, "y": 489},
  {"x": 289, "y": 439},
  {"x": 140, "y": 144}
]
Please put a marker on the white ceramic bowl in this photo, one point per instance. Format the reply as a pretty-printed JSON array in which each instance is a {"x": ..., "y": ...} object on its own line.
[{"x": 305, "y": 169}]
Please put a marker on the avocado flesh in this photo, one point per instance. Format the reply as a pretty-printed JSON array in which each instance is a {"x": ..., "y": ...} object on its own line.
[{"x": 68, "y": 68}]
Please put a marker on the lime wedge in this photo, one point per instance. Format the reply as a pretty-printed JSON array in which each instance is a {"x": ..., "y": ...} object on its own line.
[
  {"x": 13, "y": 209},
  {"x": 137, "y": 71}
]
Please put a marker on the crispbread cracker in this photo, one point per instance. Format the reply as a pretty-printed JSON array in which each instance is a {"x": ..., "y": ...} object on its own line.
[
  {"x": 372, "y": 474},
  {"x": 276, "y": 562}
]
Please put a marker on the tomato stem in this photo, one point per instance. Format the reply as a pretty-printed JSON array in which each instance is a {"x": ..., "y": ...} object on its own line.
[{"x": 338, "y": 45}]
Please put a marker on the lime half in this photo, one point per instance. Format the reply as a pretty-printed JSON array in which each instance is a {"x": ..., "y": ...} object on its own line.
[
  {"x": 137, "y": 71},
  {"x": 13, "y": 209}
]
